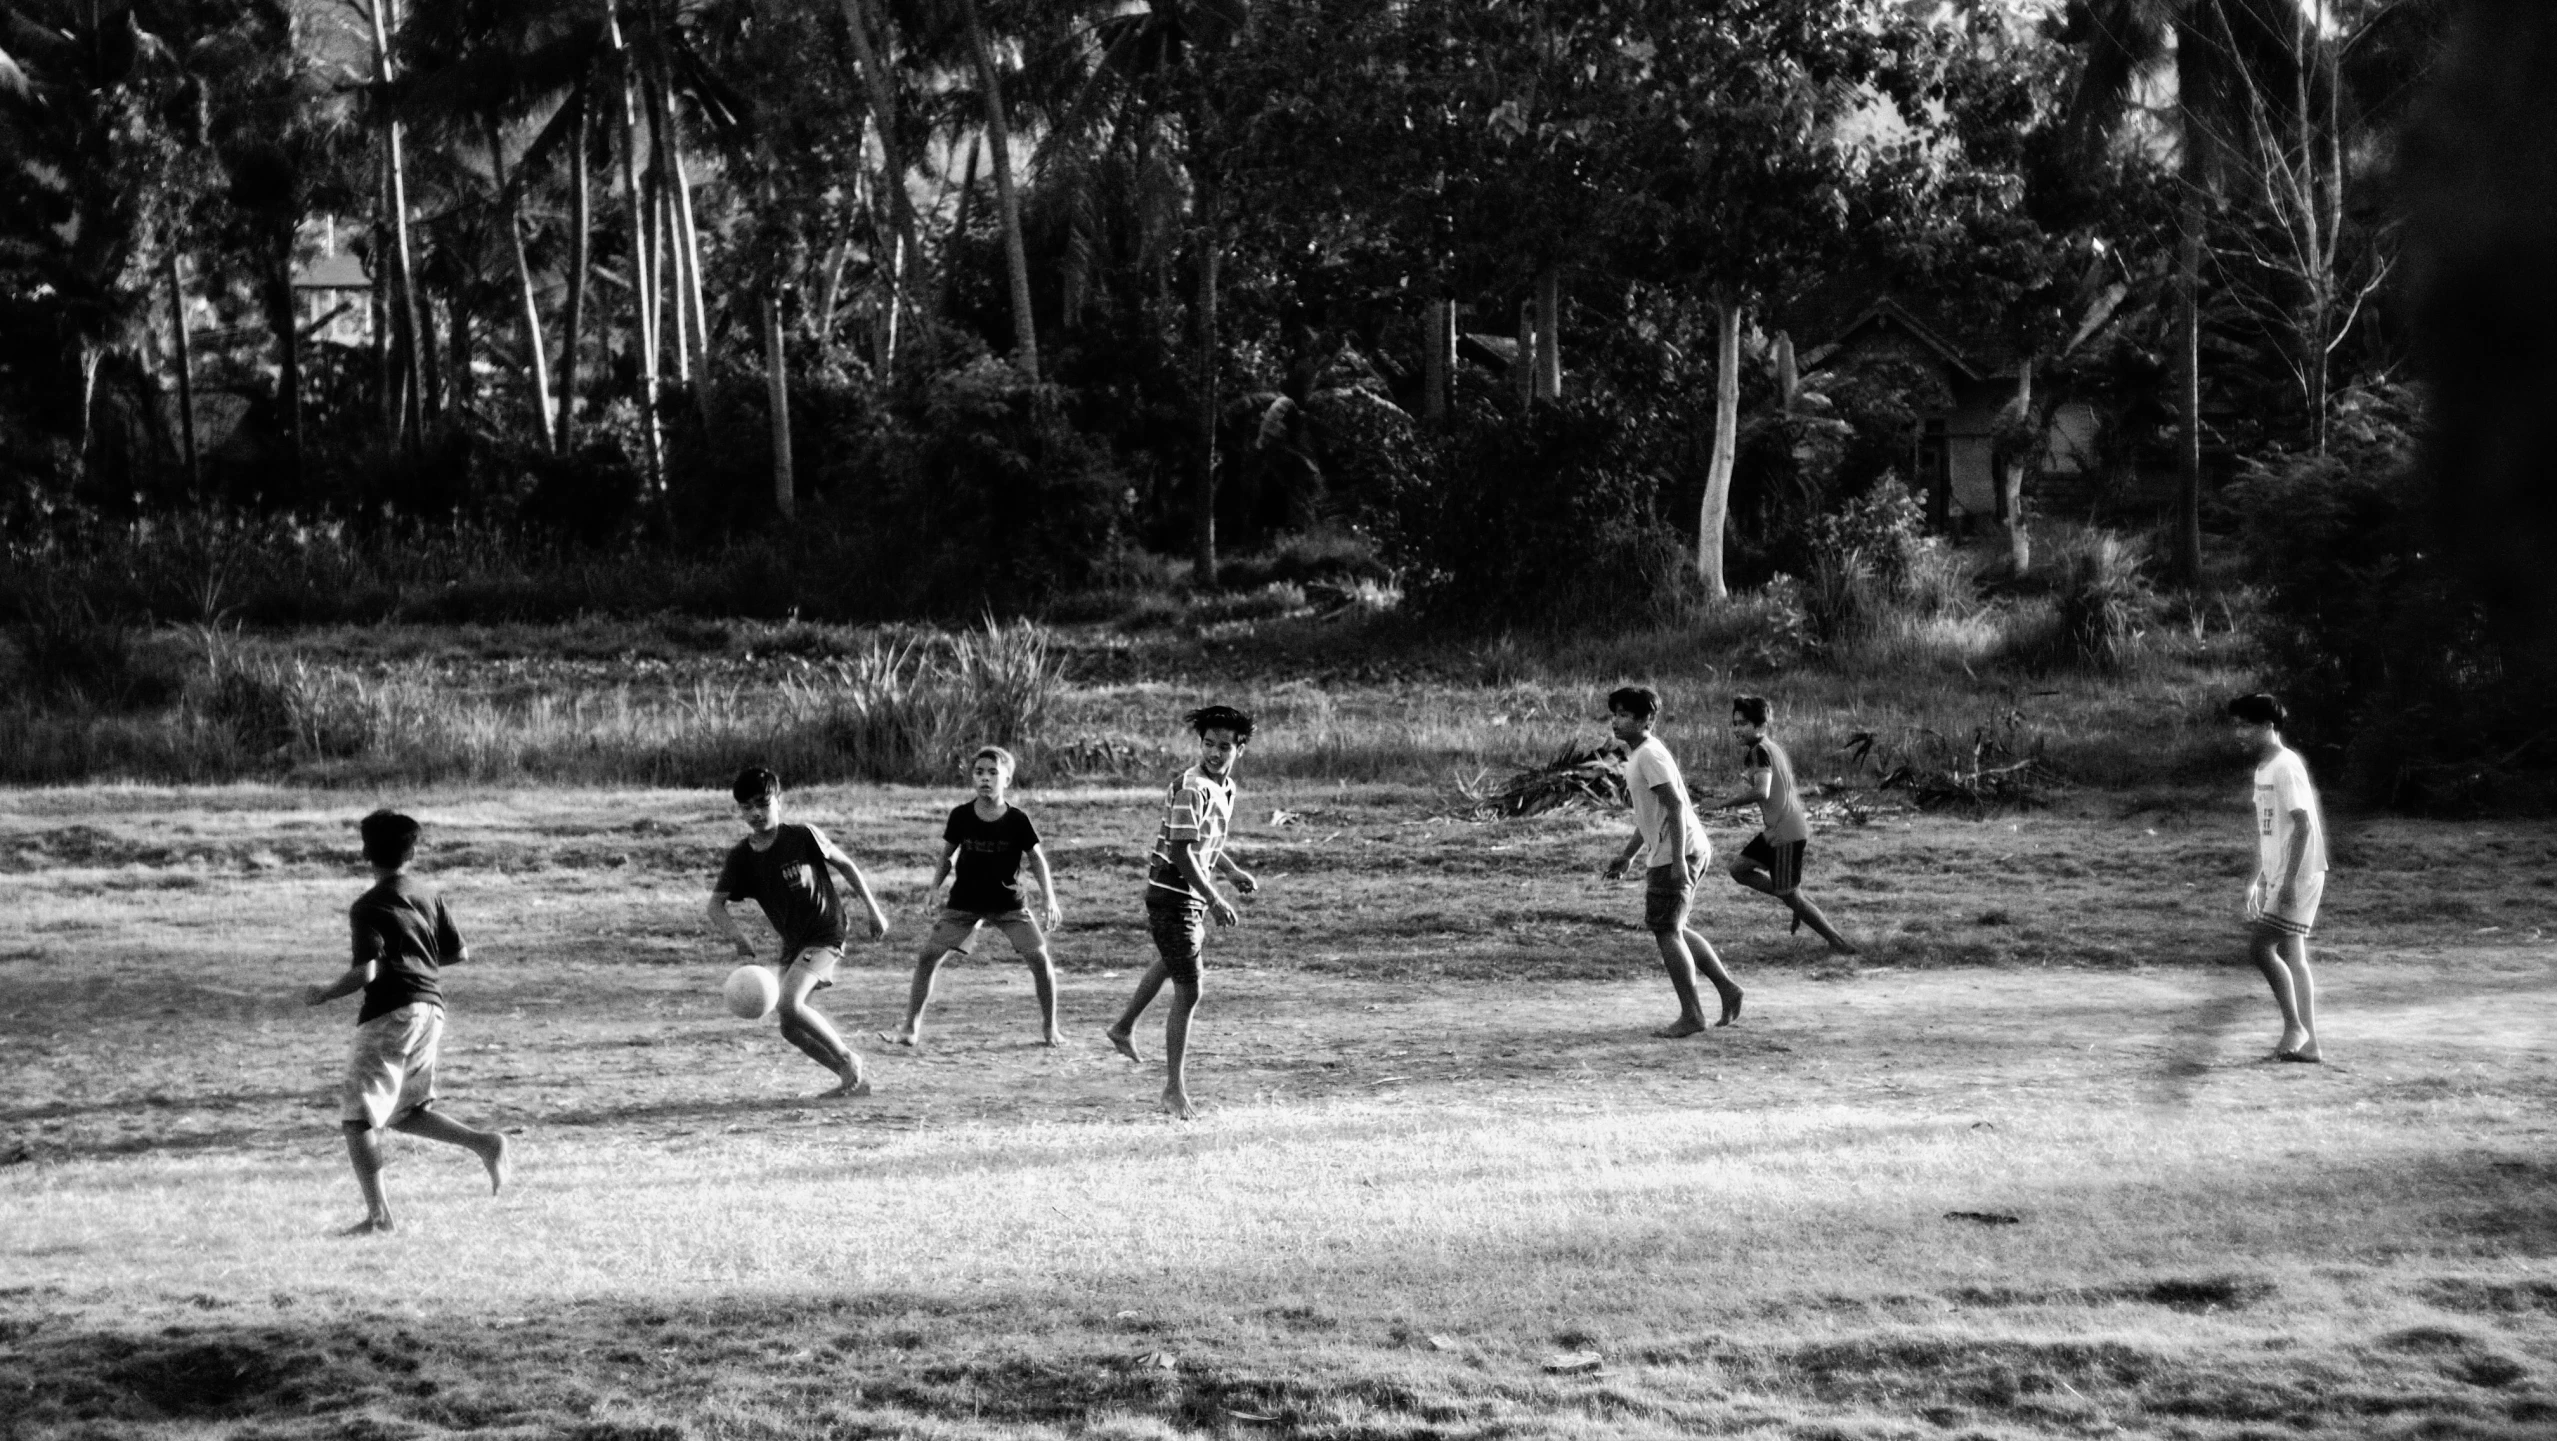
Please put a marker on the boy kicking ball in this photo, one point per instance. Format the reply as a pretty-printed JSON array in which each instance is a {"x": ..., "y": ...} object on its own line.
[
  {"x": 403, "y": 939},
  {"x": 1772, "y": 861},
  {"x": 986, "y": 840},
  {"x": 1666, "y": 828},
  {"x": 1181, "y": 893},
  {"x": 789, "y": 870},
  {"x": 2290, "y": 872}
]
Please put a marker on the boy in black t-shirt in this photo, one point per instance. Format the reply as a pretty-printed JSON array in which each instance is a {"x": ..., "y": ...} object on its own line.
[
  {"x": 789, "y": 870},
  {"x": 403, "y": 940},
  {"x": 986, "y": 840}
]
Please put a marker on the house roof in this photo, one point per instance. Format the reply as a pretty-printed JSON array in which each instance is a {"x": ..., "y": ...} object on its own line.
[
  {"x": 1887, "y": 314},
  {"x": 332, "y": 272}
]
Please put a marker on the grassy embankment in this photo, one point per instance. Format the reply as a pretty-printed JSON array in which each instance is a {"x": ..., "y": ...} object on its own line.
[{"x": 1441, "y": 1156}]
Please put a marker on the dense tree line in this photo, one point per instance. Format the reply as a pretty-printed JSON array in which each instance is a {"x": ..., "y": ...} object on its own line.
[{"x": 1145, "y": 270}]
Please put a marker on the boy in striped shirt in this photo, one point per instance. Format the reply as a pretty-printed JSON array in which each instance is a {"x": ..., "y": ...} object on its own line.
[{"x": 1181, "y": 893}]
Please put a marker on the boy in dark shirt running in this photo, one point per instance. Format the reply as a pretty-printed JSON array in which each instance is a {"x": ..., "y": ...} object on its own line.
[
  {"x": 785, "y": 869},
  {"x": 986, "y": 840},
  {"x": 403, "y": 939},
  {"x": 1180, "y": 894},
  {"x": 1772, "y": 861}
]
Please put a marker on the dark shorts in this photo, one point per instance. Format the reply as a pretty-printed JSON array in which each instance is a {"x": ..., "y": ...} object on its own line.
[
  {"x": 1667, "y": 893},
  {"x": 1782, "y": 863},
  {"x": 1179, "y": 925}
]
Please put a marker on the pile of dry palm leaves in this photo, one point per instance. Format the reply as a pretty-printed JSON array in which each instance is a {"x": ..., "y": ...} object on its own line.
[{"x": 1578, "y": 775}]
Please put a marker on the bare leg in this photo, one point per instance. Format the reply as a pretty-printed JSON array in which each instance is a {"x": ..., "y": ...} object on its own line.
[
  {"x": 1709, "y": 965},
  {"x": 1681, "y": 966},
  {"x": 2264, "y": 946},
  {"x": 803, "y": 1026},
  {"x": 364, "y": 1150},
  {"x": 1176, "y": 1048},
  {"x": 1123, "y": 1035},
  {"x": 1043, "y": 978},
  {"x": 489, "y": 1146},
  {"x": 927, "y": 970},
  {"x": 2294, "y": 952},
  {"x": 1808, "y": 914}
]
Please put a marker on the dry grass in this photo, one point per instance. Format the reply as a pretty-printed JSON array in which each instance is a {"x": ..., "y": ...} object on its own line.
[{"x": 1434, "y": 1112}]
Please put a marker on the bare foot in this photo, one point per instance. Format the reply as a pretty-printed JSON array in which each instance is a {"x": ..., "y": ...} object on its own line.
[
  {"x": 907, "y": 1039},
  {"x": 1176, "y": 1102},
  {"x": 1684, "y": 1026},
  {"x": 495, "y": 1159},
  {"x": 369, "y": 1226},
  {"x": 1053, "y": 1038},
  {"x": 1842, "y": 948},
  {"x": 1125, "y": 1045},
  {"x": 1730, "y": 1007},
  {"x": 854, "y": 1083}
]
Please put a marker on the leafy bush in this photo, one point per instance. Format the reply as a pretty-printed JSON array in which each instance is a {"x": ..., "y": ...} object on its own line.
[{"x": 915, "y": 710}]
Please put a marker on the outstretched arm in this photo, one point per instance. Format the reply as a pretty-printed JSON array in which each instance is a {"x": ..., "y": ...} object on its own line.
[
  {"x": 726, "y": 925},
  {"x": 843, "y": 864},
  {"x": 1625, "y": 858},
  {"x": 1244, "y": 880},
  {"x": 355, "y": 978},
  {"x": 1761, "y": 782}
]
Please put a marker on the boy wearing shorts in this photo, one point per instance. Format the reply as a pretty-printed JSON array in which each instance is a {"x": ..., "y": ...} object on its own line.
[
  {"x": 1772, "y": 861},
  {"x": 789, "y": 870},
  {"x": 986, "y": 841},
  {"x": 1672, "y": 841},
  {"x": 1180, "y": 892},
  {"x": 403, "y": 940},
  {"x": 2290, "y": 872}
]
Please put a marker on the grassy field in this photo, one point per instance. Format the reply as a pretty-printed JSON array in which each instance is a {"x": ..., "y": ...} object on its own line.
[{"x": 1445, "y": 1184}]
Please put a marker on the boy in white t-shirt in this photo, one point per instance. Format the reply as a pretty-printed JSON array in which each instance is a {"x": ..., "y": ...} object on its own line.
[
  {"x": 1668, "y": 834},
  {"x": 2290, "y": 871}
]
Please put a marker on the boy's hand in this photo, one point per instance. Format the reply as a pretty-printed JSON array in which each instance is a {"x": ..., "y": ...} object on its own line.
[
  {"x": 1245, "y": 882},
  {"x": 1052, "y": 916},
  {"x": 878, "y": 923},
  {"x": 745, "y": 949},
  {"x": 316, "y": 996},
  {"x": 1223, "y": 909},
  {"x": 1616, "y": 868}
]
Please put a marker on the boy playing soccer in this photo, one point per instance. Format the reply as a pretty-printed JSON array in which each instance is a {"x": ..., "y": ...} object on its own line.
[
  {"x": 1772, "y": 861},
  {"x": 1666, "y": 827},
  {"x": 403, "y": 939},
  {"x": 1180, "y": 892},
  {"x": 784, "y": 869},
  {"x": 2290, "y": 871},
  {"x": 986, "y": 840}
]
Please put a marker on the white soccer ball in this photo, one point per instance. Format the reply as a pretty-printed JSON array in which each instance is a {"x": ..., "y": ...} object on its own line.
[{"x": 752, "y": 992}]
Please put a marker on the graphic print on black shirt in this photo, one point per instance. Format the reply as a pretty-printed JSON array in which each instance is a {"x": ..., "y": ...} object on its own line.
[
  {"x": 401, "y": 926},
  {"x": 791, "y": 881},
  {"x": 990, "y": 852}
]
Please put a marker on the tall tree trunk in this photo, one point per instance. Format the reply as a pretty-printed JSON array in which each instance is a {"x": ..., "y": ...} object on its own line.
[
  {"x": 777, "y": 389},
  {"x": 581, "y": 220},
  {"x": 881, "y": 89},
  {"x": 1788, "y": 373},
  {"x": 1525, "y": 370},
  {"x": 1204, "y": 318},
  {"x": 460, "y": 387},
  {"x": 959, "y": 223},
  {"x": 2186, "y": 552},
  {"x": 643, "y": 283},
  {"x": 2011, "y": 476},
  {"x": 1016, "y": 257},
  {"x": 1717, "y": 504},
  {"x": 185, "y": 357},
  {"x": 1438, "y": 360},
  {"x": 534, "y": 358},
  {"x": 404, "y": 268},
  {"x": 1549, "y": 333}
]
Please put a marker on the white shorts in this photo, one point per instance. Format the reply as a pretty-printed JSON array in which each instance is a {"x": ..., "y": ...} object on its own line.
[
  {"x": 390, "y": 1070},
  {"x": 2296, "y": 919}
]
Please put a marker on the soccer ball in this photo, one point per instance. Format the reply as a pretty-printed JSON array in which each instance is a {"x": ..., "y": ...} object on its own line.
[{"x": 752, "y": 992}]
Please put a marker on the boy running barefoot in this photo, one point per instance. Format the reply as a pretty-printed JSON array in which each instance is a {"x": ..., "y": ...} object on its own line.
[
  {"x": 2290, "y": 871},
  {"x": 785, "y": 869},
  {"x": 987, "y": 840},
  {"x": 403, "y": 939},
  {"x": 1772, "y": 861},
  {"x": 1666, "y": 828},
  {"x": 1180, "y": 892}
]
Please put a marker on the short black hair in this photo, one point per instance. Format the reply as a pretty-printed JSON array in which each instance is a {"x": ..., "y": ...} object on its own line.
[
  {"x": 389, "y": 839},
  {"x": 2259, "y": 709},
  {"x": 1752, "y": 708},
  {"x": 1639, "y": 701},
  {"x": 1219, "y": 718},
  {"x": 754, "y": 783}
]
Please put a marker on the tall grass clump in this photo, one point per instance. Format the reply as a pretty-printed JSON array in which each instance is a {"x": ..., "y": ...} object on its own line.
[
  {"x": 912, "y": 710},
  {"x": 2101, "y": 611}
]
